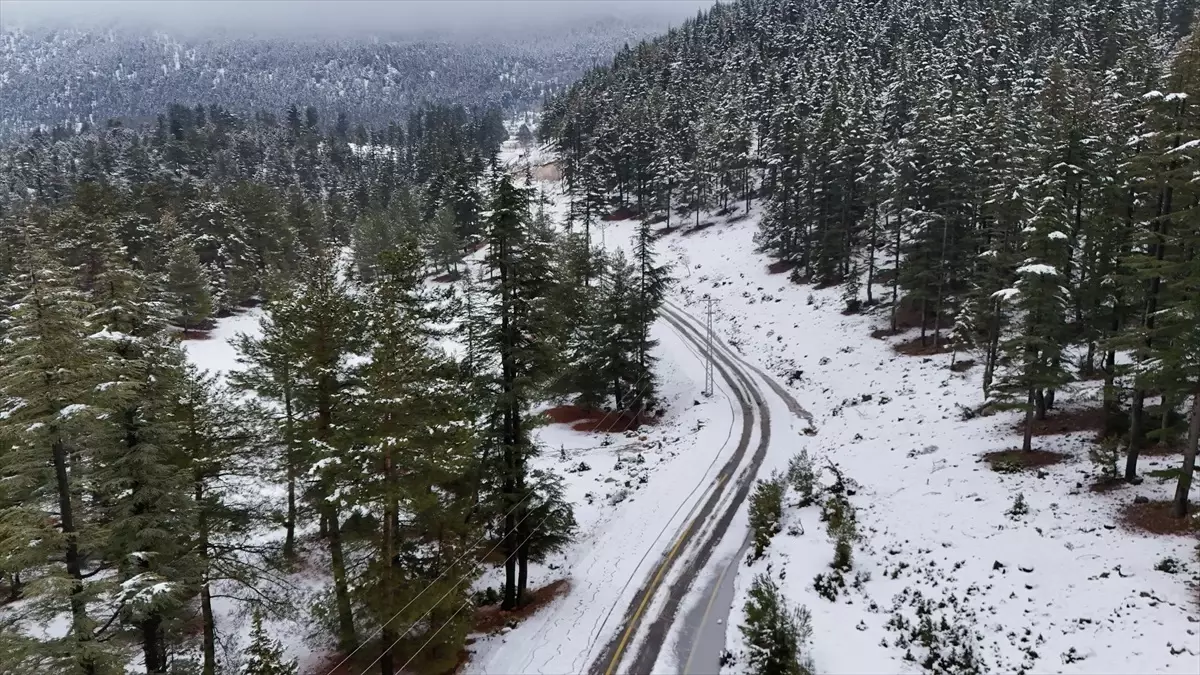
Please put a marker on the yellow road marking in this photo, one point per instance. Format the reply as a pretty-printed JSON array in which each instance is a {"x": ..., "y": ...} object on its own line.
[
  {"x": 687, "y": 666},
  {"x": 662, "y": 569}
]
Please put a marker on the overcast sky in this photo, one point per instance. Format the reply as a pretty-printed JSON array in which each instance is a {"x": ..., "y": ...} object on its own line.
[{"x": 338, "y": 16}]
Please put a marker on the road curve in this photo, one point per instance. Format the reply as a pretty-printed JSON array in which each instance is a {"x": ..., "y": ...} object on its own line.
[{"x": 751, "y": 400}]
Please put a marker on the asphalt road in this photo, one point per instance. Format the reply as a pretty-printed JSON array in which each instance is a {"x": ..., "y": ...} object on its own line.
[{"x": 702, "y": 628}]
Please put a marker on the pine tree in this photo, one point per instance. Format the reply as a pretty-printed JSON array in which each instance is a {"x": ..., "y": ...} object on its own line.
[
  {"x": 1034, "y": 354},
  {"x": 775, "y": 634},
  {"x": 649, "y": 289},
  {"x": 519, "y": 361},
  {"x": 47, "y": 367},
  {"x": 416, "y": 442},
  {"x": 325, "y": 332},
  {"x": 268, "y": 369},
  {"x": 187, "y": 282},
  {"x": 265, "y": 656},
  {"x": 140, "y": 476}
]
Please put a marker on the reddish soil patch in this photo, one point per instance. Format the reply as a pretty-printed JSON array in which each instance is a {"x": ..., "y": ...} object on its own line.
[
  {"x": 1012, "y": 461},
  {"x": 1156, "y": 518},
  {"x": 612, "y": 423},
  {"x": 1065, "y": 422},
  {"x": 448, "y": 277},
  {"x": 781, "y": 266},
  {"x": 623, "y": 213},
  {"x": 330, "y": 665},
  {"x": 915, "y": 347},
  {"x": 584, "y": 419},
  {"x": 491, "y": 618},
  {"x": 569, "y": 414}
]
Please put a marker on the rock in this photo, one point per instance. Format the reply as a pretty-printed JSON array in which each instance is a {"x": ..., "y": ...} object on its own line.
[
  {"x": 1026, "y": 570},
  {"x": 1141, "y": 499},
  {"x": 997, "y": 565}
]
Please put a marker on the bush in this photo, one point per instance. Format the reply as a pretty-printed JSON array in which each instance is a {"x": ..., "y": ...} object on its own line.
[
  {"x": 802, "y": 476},
  {"x": 830, "y": 585},
  {"x": 1169, "y": 565},
  {"x": 842, "y": 524},
  {"x": 1019, "y": 507},
  {"x": 766, "y": 510},
  {"x": 1106, "y": 455},
  {"x": 776, "y": 635}
]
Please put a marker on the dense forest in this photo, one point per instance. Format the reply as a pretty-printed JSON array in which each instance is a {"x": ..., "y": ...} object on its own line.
[
  {"x": 76, "y": 76},
  {"x": 1016, "y": 178},
  {"x": 141, "y": 494}
]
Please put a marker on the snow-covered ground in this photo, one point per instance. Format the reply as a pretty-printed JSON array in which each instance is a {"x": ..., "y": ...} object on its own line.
[{"x": 1064, "y": 588}]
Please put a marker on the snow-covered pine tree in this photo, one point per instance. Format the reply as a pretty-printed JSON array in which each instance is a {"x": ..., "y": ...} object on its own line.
[
  {"x": 1033, "y": 353},
  {"x": 187, "y": 280},
  {"x": 47, "y": 380},
  {"x": 776, "y": 635},
  {"x": 515, "y": 361},
  {"x": 267, "y": 368},
  {"x": 325, "y": 332},
  {"x": 415, "y": 445},
  {"x": 142, "y": 483},
  {"x": 648, "y": 291},
  {"x": 264, "y": 655}
]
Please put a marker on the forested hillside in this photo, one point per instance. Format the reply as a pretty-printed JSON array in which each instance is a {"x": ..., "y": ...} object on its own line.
[
  {"x": 352, "y": 466},
  {"x": 70, "y": 76},
  {"x": 1018, "y": 179}
]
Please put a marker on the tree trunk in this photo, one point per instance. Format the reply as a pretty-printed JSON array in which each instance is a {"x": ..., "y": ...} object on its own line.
[
  {"x": 871, "y": 252},
  {"x": 14, "y": 587},
  {"x": 390, "y": 515},
  {"x": 80, "y": 624},
  {"x": 523, "y": 572},
  {"x": 1039, "y": 400},
  {"x": 1135, "y": 434},
  {"x": 209, "y": 640},
  {"x": 152, "y": 648},
  {"x": 347, "y": 639},
  {"x": 1180, "y": 507},
  {"x": 289, "y": 541},
  {"x": 1027, "y": 442},
  {"x": 1110, "y": 391}
]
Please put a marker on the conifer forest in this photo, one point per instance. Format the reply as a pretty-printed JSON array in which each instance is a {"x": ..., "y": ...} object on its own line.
[{"x": 801, "y": 336}]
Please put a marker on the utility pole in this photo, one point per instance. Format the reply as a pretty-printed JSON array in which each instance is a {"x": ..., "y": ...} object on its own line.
[{"x": 708, "y": 347}]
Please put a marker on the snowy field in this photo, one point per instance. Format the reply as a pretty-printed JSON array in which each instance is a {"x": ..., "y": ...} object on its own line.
[{"x": 1063, "y": 588}]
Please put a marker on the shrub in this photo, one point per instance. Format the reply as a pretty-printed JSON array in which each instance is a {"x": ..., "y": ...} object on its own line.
[
  {"x": 841, "y": 523},
  {"x": 802, "y": 476},
  {"x": 766, "y": 510},
  {"x": 776, "y": 635},
  {"x": 1019, "y": 507}
]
